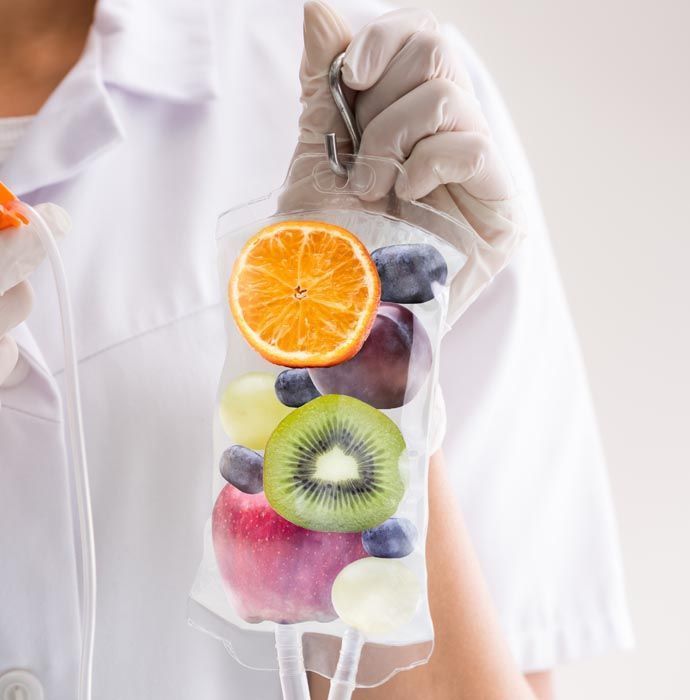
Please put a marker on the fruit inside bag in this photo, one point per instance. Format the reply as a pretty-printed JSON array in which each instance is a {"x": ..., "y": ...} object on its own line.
[{"x": 334, "y": 316}]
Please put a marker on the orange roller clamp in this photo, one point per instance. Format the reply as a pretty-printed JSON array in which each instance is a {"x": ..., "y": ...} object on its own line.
[{"x": 8, "y": 217}]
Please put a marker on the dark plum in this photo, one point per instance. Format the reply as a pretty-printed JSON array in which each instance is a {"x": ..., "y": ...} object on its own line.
[
  {"x": 294, "y": 387},
  {"x": 392, "y": 539},
  {"x": 391, "y": 366},
  {"x": 243, "y": 468},
  {"x": 409, "y": 271}
]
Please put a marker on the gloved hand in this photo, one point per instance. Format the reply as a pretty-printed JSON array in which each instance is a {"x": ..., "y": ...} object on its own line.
[
  {"x": 20, "y": 253},
  {"x": 415, "y": 103},
  {"x": 15, "y": 305}
]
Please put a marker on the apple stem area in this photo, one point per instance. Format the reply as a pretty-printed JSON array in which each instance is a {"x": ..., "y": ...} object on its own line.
[{"x": 335, "y": 465}]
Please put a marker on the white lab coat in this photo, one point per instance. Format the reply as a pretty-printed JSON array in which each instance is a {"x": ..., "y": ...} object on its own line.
[{"x": 174, "y": 113}]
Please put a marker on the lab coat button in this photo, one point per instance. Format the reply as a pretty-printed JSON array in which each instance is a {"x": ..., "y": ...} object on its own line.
[{"x": 20, "y": 685}]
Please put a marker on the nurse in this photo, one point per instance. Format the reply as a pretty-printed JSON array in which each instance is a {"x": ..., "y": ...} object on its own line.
[{"x": 144, "y": 121}]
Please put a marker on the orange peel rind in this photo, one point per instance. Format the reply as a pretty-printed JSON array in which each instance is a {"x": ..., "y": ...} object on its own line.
[{"x": 304, "y": 293}]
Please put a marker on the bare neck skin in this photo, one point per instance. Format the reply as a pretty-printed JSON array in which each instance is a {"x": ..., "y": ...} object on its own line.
[{"x": 40, "y": 41}]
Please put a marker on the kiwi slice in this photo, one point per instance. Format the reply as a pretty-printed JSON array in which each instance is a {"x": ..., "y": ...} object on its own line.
[{"x": 333, "y": 465}]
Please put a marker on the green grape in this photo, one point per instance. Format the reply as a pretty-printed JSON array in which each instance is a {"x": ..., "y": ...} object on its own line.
[
  {"x": 250, "y": 410},
  {"x": 376, "y": 596}
]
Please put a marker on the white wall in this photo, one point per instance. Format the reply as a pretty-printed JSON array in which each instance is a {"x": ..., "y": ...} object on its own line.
[{"x": 600, "y": 92}]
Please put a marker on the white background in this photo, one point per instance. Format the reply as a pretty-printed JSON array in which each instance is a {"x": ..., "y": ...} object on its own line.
[{"x": 600, "y": 92}]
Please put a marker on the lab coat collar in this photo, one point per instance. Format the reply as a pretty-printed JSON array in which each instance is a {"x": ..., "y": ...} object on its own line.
[
  {"x": 75, "y": 125},
  {"x": 161, "y": 48},
  {"x": 158, "y": 48}
]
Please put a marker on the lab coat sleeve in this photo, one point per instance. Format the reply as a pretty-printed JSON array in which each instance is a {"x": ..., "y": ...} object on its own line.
[{"x": 522, "y": 444}]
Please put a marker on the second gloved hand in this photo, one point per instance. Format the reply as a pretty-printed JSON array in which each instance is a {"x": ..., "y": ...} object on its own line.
[{"x": 20, "y": 253}]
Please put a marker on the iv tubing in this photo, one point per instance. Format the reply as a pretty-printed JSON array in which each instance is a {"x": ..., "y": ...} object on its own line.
[
  {"x": 344, "y": 679},
  {"x": 293, "y": 677},
  {"x": 76, "y": 435}
]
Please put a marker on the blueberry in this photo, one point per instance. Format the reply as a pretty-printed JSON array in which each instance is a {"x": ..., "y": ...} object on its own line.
[
  {"x": 243, "y": 468},
  {"x": 392, "y": 539},
  {"x": 294, "y": 387},
  {"x": 408, "y": 272}
]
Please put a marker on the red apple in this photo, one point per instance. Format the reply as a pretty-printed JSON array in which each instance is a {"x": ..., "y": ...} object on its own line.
[{"x": 272, "y": 569}]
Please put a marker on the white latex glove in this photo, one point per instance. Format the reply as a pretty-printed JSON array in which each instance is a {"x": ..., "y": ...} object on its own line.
[
  {"x": 15, "y": 305},
  {"x": 20, "y": 253},
  {"x": 415, "y": 103}
]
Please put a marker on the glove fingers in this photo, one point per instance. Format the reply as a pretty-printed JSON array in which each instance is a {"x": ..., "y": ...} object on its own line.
[
  {"x": 325, "y": 36},
  {"x": 436, "y": 106},
  {"x": 465, "y": 158},
  {"x": 21, "y": 250},
  {"x": 56, "y": 217},
  {"x": 9, "y": 354},
  {"x": 15, "y": 306},
  {"x": 378, "y": 42},
  {"x": 426, "y": 55}
]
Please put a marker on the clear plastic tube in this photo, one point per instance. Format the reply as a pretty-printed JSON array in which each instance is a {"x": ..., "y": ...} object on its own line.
[
  {"x": 293, "y": 676},
  {"x": 76, "y": 436},
  {"x": 344, "y": 679}
]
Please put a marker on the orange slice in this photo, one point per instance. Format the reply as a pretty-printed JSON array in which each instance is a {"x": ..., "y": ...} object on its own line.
[{"x": 304, "y": 293}]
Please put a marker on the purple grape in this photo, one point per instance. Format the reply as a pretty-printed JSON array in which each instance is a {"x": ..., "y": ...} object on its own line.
[
  {"x": 294, "y": 387},
  {"x": 243, "y": 468},
  {"x": 408, "y": 272},
  {"x": 392, "y": 539},
  {"x": 391, "y": 366}
]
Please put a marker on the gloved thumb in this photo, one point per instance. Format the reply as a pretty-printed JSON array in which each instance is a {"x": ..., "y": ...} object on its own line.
[
  {"x": 325, "y": 36},
  {"x": 21, "y": 250},
  {"x": 56, "y": 217}
]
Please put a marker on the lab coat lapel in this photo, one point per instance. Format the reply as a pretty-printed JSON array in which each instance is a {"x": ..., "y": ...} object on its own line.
[
  {"x": 76, "y": 125},
  {"x": 161, "y": 49},
  {"x": 158, "y": 48}
]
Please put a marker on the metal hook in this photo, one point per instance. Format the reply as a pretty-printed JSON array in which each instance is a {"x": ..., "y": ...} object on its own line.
[{"x": 348, "y": 117}]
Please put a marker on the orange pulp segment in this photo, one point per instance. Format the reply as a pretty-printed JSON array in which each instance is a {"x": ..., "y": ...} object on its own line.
[{"x": 304, "y": 293}]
